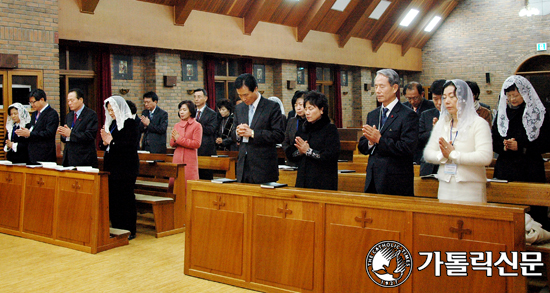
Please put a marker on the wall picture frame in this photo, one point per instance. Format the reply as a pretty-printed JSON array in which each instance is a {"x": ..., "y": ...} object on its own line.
[
  {"x": 189, "y": 70},
  {"x": 122, "y": 67},
  {"x": 343, "y": 78},
  {"x": 258, "y": 70},
  {"x": 300, "y": 75}
]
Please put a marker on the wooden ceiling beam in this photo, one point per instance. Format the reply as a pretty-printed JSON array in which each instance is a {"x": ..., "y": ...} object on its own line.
[
  {"x": 446, "y": 9},
  {"x": 260, "y": 9},
  {"x": 351, "y": 26},
  {"x": 88, "y": 6},
  {"x": 182, "y": 10},
  {"x": 390, "y": 23},
  {"x": 427, "y": 12},
  {"x": 315, "y": 15}
]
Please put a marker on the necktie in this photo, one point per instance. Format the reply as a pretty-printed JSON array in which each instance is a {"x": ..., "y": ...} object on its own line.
[
  {"x": 15, "y": 127},
  {"x": 150, "y": 115},
  {"x": 384, "y": 116},
  {"x": 250, "y": 114},
  {"x": 198, "y": 115},
  {"x": 74, "y": 120},
  {"x": 37, "y": 114}
]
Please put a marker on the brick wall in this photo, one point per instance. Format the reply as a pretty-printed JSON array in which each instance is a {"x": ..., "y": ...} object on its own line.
[
  {"x": 28, "y": 28},
  {"x": 483, "y": 36}
]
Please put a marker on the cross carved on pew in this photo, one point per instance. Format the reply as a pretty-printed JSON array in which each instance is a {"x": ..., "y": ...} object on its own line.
[
  {"x": 459, "y": 230},
  {"x": 363, "y": 220},
  {"x": 40, "y": 182},
  {"x": 76, "y": 185},
  {"x": 284, "y": 210},
  {"x": 219, "y": 203}
]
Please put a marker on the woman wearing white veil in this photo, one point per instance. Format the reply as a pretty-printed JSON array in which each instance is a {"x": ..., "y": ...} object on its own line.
[
  {"x": 121, "y": 159},
  {"x": 16, "y": 147},
  {"x": 461, "y": 144}
]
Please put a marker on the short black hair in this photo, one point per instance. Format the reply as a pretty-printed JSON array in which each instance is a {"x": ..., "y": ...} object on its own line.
[
  {"x": 297, "y": 95},
  {"x": 190, "y": 106},
  {"x": 132, "y": 106},
  {"x": 225, "y": 103},
  {"x": 38, "y": 94},
  {"x": 511, "y": 88},
  {"x": 79, "y": 93},
  {"x": 152, "y": 96},
  {"x": 246, "y": 79},
  {"x": 414, "y": 84},
  {"x": 437, "y": 87},
  {"x": 475, "y": 89},
  {"x": 319, "y": 100},
  {"x": 201, "y": 90}
]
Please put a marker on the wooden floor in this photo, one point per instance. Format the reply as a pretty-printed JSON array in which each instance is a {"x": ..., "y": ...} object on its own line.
[{"x": 148, "y": 264}]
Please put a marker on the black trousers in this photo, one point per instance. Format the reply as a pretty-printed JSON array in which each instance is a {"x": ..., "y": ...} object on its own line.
[{"x": 122, "y": 203}]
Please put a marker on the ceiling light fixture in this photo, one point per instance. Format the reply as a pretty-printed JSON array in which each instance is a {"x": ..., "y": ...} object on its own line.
[
  {"x": 432, "y": 24},
  {"x": 409, "y": 17},
  {"x": 340, "y": 5},
  {"x": 380, "y": 9}
]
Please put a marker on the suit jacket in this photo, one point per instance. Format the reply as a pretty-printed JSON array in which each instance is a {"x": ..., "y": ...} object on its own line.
[
  {"x": 425, "y": 127},
  {"x": 390, "y": 166},
  {"x": 122, "y": 159},
  {"x": 80, "y": 150},
  {"x": 424, "y": 105},
  {"x": 42, "y": 138},
  {"x": 22, "y": 154},
  {"x": 209, "y": 122},
  {"x": 260, "y": 153},
  {"x": 154, "y": 135}
]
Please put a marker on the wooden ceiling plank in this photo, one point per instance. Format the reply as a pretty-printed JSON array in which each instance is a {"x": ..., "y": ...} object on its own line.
[
  {"x": 88, "y": 6},
  {"x": 390, "y": 23},
  {"x": 316, "y": 14},
  {"x": 182, "y": 10},
  {"x": 260, "y": 9},
  {"x": 352, "y": 24}
]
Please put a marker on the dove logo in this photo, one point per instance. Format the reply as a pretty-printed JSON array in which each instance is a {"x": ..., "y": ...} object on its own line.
[{"x": 388, "y": 264}]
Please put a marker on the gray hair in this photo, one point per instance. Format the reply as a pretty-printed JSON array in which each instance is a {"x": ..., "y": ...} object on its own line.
[{"x": 392, "y": 76}]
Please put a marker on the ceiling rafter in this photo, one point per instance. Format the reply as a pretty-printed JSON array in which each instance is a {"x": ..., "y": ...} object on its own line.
[
  {"x": 412, "y": 38},
  {"x": 446, "y": 10},
  {"x": 352, "y": 25},
  {"x": 182, "y": 10},
  {"x": 316, "y": 14},
  {"x": 259, "y": 10},
  {"x": 390, "y": 23},
  {"x": 88, "y": 6}
]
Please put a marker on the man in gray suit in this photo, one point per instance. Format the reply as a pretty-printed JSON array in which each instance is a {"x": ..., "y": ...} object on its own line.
[{"x": 154, "y": 122}]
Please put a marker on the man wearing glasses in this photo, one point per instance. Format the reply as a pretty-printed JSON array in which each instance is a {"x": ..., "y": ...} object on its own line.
[{"x": 414, "y": 92}]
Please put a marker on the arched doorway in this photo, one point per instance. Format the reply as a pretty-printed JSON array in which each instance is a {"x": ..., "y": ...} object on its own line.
[{"x": 537, "y": 70}]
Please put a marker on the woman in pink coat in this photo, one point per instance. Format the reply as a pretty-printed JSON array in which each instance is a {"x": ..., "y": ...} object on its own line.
[{"x": 187, "y": 138}]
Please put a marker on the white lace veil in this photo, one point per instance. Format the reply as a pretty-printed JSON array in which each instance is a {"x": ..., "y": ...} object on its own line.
[
  {"x": 533, "y": 116},
  {"x": 278, "y": 101},
  {"x": 466, "y": 112},
  {"x": 24, "y": 117},
  {"x": 121, "y": 109}
]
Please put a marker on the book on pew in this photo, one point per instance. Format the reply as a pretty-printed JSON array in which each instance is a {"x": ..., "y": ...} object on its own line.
[
  {"x": 219, "y": 156},
  {"x": 87, "y": 169},
  {"x": 346, "y": 171},
  {"x": 342, "y": 161},
  {"x": 61, "y": 168},
  {"x": 5, "y": 162},
  {"x": 223, "y": 180},
  {"x": 429, "y": 176},
  {"x": 497, "y": 180},
  {"x": 273, "y": 185},
  {"x": 152, "y": 162},
  {"x": 288, "y": 168}
]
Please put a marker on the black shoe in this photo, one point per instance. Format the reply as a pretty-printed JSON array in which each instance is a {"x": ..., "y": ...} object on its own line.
[{"x": 132, "y": 236}]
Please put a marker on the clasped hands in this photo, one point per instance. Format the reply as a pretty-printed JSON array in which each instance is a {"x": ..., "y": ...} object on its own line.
[
  {"x": 244, "y": 130},
  {"x": 24, "y": 132},
  {"x": 175, "y": 134},
  {"x": 301, "y": 145},
  {"x": 510, "y": 144},
  {"x": 106, "y": 137},
  {"x": 64, "y": 130},
  {"x": 145, "y": 120},
  {"x": 371, "y": 133},
  {"x": 445, "y": 147}
]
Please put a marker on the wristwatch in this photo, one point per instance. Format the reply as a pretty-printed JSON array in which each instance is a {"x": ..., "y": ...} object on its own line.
[{"x": 252, "y": 134}]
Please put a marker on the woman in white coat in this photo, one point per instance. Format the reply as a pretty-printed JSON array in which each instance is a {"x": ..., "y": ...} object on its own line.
[{"x": 461, "y": 144}]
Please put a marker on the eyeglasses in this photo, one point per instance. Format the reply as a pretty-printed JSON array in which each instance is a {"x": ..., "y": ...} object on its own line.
[{"x": 32, "y": 102}]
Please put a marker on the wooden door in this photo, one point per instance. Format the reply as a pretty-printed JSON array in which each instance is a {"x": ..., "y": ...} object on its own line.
[
  {"x": 74, "y": 219},
  {"x": 218, "y": 233},
  {"x": 287, "y": 244},
  {"x": 351, "y": 233},
  {"x": 11, "y": 186},
  {"x": 39, "y": 204}
]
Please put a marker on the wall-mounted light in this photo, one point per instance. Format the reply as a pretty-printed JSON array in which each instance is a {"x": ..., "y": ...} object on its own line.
[
  {"x": 190, "y": 92},
  {"x": 528, "y": 11},
  {"x": 123, "y": 91}
]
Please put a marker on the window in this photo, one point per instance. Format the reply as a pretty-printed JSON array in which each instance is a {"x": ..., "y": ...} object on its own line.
[{"x": 227, "y": 71}]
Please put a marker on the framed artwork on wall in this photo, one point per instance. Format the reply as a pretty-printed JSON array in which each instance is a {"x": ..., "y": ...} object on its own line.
[
  {"x": 300, "y": 75},
  {"x": 344, "y": 78},
  {"x": 122, "y": 67},
  {"x": 259, "y": 72},
  {"x": 189, "y": 70}
]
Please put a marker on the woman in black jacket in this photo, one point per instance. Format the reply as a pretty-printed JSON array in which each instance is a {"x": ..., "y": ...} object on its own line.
[
  {"x": 317, "y": 146},
  {"x": 225, "y": 122},
  {"x": 122, "y": 163},
  {"x": 294, "y": 123},
  {"x": 16, "y": 147}
]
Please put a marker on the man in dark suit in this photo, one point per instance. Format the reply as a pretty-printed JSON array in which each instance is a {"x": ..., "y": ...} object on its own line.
[
  {"x": 209, "y": 121},
  {"x": 414, "y": 92},
  {"x": 259, "y": 128},
  {"x": 154, "y": 122},
  {"x": 79, "y": 137},
  {"x": 427, "y": 121},
  {"x": 389, "y": 137},
  {"x": 44, "y": 122}
]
